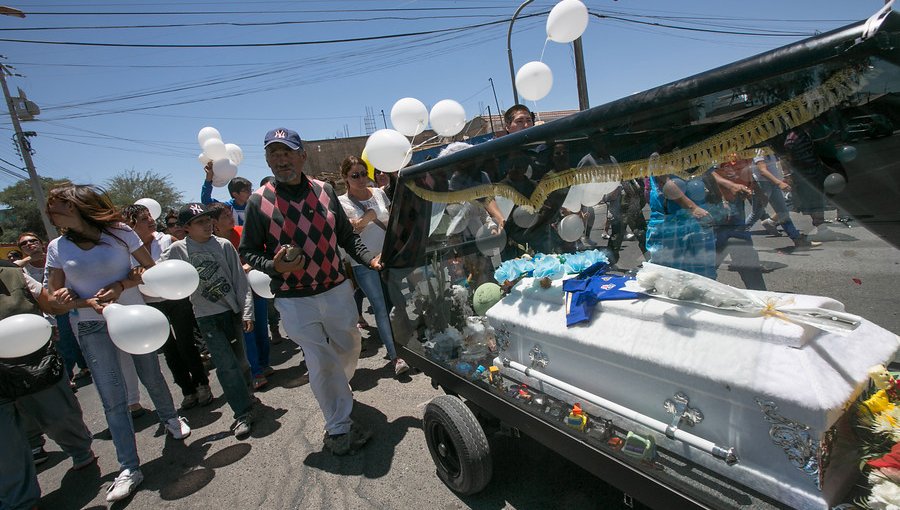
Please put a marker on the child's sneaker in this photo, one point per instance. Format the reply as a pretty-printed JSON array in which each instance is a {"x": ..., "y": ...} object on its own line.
[
  {"x": 241, "y": 427},
  {"x": 178, "y": 427},
  {"x": 338, "y": 444},
  {"x": 204, "y": 395},
  {"x": 124, "y": 485}
]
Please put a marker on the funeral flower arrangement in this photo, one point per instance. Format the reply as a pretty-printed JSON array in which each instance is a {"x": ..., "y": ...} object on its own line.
[
  {"x": 548, "y": 266},
  {"x": 878, "y": 427}
]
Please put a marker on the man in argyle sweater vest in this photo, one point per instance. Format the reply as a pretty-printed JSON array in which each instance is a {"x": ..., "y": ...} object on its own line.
[{"x": 292, "y": 231}]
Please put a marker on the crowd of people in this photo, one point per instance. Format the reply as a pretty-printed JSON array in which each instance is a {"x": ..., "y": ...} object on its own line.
[
  {"x": 322, "y": 251},
  {"x": 293, "y": 227}
]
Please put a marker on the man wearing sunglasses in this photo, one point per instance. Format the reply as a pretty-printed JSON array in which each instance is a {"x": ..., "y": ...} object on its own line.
[{"x": 292, "y": 231}]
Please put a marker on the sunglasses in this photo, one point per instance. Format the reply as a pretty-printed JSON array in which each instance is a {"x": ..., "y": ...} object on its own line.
[
  {"x": 172, "y": 224},
  {"x": 355, "y": 175},
  {"x": 23, "y": 242}
]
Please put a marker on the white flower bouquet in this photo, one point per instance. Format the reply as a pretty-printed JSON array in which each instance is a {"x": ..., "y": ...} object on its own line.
[{"x": 677, "y": 285}]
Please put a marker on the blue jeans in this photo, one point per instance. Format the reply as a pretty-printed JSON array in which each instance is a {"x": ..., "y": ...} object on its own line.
[
  {"x": 257, "y": 341},
  {"x": 221, "y": 331},
  {"x": 768, "y": 191},
  {"x": 68, "y": 345},
  {"x": 370, "y": 283},
  {"x": 103, "y": 360}
]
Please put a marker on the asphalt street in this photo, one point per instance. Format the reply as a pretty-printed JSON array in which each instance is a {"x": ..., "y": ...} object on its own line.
[{"x": 282, "y": 464}]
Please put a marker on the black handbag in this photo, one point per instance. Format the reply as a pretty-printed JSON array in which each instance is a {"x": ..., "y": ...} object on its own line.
[{"x": 31, "y": 373}]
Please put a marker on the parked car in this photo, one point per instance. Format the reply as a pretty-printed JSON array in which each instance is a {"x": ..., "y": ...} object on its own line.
[{"x": 868, "y": 126}]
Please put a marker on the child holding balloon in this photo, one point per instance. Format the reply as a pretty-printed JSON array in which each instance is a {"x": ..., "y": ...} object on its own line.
[
  {"x": 222, "y": 305},
  {"x": 89, "y": 267}
]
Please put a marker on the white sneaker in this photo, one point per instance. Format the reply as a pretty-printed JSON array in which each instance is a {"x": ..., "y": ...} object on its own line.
[
  {"x": 178, "y": 427},
  {"x": 124, "y": 485},
  {"x": 400, "y": 366}
]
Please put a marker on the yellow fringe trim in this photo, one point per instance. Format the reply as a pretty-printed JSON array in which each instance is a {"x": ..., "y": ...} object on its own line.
[{"x": 711, "y": 151}]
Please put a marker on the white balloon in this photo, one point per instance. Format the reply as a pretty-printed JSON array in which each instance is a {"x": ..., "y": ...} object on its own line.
[
  {"x": 388, "y": 150},
  {"x": 534, "y": 80},
  {"x": 136, "y": 329},
  {"x": 260, "y": 283},
  {"x": 146, "y": 291},
  {"x": 409, "y": 116},
  {"x": 203, "y": 159},
  {"x": 23, "y": 334},
  {"x": 215, "y": 149},
  {"x": 571, "y": 228},
  {"x": 151, "y": 205},
  {"x": 567, "y": 21},
  {"x": 524, "y": 217},
  {"x": 235, "y": 154},
  {"x": 448, "y": 117},
  {"x": 488, "y": 242},
  {"x": 223, "y": 171},
  {"x": 172, "y": 279},
  {"x": 206, "y": 134}
]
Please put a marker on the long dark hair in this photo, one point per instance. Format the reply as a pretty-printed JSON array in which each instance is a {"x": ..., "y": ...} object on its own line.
[{"x": 94, "y": 206}]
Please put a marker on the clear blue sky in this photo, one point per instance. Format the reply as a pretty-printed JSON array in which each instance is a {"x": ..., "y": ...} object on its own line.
[{"x": 110, "y": 109}]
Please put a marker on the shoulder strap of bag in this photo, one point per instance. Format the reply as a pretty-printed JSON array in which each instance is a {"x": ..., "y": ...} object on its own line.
[{"x": 363, "y": 209}]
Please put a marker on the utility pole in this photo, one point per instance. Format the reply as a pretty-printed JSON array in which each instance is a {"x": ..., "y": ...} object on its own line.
[
  {"x": 499, "y": 111},
  {"x": 26, "y": 157},
  {"x": 580, "y": 79}
]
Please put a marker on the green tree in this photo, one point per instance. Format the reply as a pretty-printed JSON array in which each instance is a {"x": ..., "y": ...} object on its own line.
[
  {"x": 23, "y": 212},
  {"x": 130, "y": 186}
]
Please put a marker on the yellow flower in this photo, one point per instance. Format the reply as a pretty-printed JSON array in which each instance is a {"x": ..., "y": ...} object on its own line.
[{"x": 878, "y": 402}]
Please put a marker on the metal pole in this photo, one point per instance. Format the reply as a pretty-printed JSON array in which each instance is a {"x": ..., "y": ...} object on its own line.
[
  {"x": 499, "y": 111},
  {"x": 26, "y": 156},
  {"x": 512, "y": 69},
  {"x": 583, "y": 103}
]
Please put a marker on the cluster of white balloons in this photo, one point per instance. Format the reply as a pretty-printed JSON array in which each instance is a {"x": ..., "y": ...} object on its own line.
[
  {"x": 567, "y": 21},
  {"x": 136, "y": 329},
  {"x": 141, "y": 329},
  {"x": 225, "y": 156},
  {"x": 389, "y": 150}
]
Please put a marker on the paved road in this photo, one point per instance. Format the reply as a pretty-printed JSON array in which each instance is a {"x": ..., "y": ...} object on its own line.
[{"x": 282, "y": 465}]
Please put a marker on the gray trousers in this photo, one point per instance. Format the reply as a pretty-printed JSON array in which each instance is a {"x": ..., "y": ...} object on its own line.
[{"x": 57, "y": 412}]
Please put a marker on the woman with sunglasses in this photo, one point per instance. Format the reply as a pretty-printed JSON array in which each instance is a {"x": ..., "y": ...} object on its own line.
[
  {"x": 368, "y": 210},
  {"x": 89, "y": 267}
]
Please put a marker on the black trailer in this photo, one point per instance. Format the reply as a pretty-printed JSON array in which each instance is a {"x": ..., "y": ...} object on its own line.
[{"x": 436, "y": 257}]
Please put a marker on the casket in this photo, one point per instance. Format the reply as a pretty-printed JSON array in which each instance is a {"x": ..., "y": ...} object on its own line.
[{"x": 769, "y": 394}]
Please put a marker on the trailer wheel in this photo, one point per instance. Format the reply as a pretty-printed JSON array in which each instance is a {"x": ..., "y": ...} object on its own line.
[{"x": 458, "y": 445}]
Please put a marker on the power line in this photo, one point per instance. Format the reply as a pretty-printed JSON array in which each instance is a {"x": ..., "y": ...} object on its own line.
[
  {"x": 704, "y": 30},
  {"x": 245, "y": 24},
  {"x": 268, "y": 44}
]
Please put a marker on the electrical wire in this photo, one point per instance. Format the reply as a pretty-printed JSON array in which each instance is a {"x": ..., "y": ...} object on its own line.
[{"x": 264, "y": 44}]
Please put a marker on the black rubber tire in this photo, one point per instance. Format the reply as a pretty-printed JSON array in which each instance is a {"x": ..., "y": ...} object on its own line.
[{"x": 458, "y": 446}]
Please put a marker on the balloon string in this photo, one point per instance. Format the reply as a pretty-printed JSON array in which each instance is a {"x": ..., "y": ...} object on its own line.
[
  {"x": 547, "y": 40},
  {"x": 412, "y": 141},
  {"x": 426, "y": 141}
]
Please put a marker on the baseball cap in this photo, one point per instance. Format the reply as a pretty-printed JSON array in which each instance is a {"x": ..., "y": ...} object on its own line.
[
  {"x": 192, "y": 211},
  {"x": 285, "y": 136}
]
